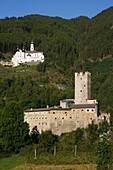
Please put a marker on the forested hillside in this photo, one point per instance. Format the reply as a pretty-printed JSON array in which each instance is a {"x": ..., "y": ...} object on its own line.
[
  {"x": 78, "y": 44},
  {"x": 60, "y": 39}
]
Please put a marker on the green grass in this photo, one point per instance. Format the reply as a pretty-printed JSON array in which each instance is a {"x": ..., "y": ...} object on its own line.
[{"x": 11, "y": 162}]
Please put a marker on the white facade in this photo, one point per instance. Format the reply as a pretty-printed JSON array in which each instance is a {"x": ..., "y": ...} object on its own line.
[
  {"x": 23, "y": 56},
  {"x": 82, "y": 87}
]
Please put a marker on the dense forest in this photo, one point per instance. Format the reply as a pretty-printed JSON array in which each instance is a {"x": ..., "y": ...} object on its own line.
[{"x": 78, "y": 44}]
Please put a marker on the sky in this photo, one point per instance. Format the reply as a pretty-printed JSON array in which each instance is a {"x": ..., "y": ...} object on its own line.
[{"x": 62, "y": 8}]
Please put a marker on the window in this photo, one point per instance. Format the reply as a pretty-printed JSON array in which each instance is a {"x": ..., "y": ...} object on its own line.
[
  {"x": 80, "y": 90},
  {"x": 70, "y": 117},
  {"x": 82, "y": 110},
  {"x": 87, "y": 110},
  {"x": 62, "y": 117},
  {"x": 53, "y": 112}
]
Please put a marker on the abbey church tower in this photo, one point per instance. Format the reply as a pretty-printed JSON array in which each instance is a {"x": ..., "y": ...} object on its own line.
[
  {"x": 82, "y": 87},
  {"x": 32, "y": 46}
]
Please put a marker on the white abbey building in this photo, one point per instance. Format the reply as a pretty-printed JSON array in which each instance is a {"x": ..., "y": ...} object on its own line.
[
  {"x": 23, "y": 56},
  {"x": 71, "y": 114}
]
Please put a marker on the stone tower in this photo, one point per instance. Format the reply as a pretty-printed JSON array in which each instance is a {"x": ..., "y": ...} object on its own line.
[
  {"x": 32, "y": 46},
  {"x": 82, "y": 87}
]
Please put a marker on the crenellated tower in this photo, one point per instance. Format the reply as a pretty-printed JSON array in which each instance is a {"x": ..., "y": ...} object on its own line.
[{"x": 82, "y": 87}]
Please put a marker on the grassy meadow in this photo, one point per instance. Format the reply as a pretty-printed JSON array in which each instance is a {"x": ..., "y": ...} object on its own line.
[
  {"x": 17, "y": 162},
  {"x": 11, "y": 162}
]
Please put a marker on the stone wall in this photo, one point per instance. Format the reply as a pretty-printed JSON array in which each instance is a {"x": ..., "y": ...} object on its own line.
[{"x": 60, "y": 120}]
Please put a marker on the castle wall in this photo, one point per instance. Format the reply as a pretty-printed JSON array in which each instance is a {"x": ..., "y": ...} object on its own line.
[
  {"x": 60, "y": 120},
  {"x": 39, "y": 119}
]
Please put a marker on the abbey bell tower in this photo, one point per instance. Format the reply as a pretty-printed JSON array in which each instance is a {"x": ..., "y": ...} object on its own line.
[{"x": 32, "y": 46}]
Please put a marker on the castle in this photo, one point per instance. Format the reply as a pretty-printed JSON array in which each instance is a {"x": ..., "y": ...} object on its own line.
[
  {"x": 25, "y": 57},
  {"x": 71, "y": 114}
]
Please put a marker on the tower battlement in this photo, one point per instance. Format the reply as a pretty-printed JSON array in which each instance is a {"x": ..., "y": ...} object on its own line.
[{"x": 82, "y": 73}]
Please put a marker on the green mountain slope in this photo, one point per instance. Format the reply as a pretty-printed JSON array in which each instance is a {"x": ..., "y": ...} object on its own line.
[{"x": 78, "y": 44}]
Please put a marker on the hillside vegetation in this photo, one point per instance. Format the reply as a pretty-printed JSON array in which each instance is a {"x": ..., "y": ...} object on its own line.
[{"x": 78, "y": 44}]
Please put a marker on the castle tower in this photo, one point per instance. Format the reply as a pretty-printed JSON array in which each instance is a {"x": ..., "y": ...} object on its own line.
[
  {"x": 82, "y": 87},
  {"x": 32, "y": 46}
]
